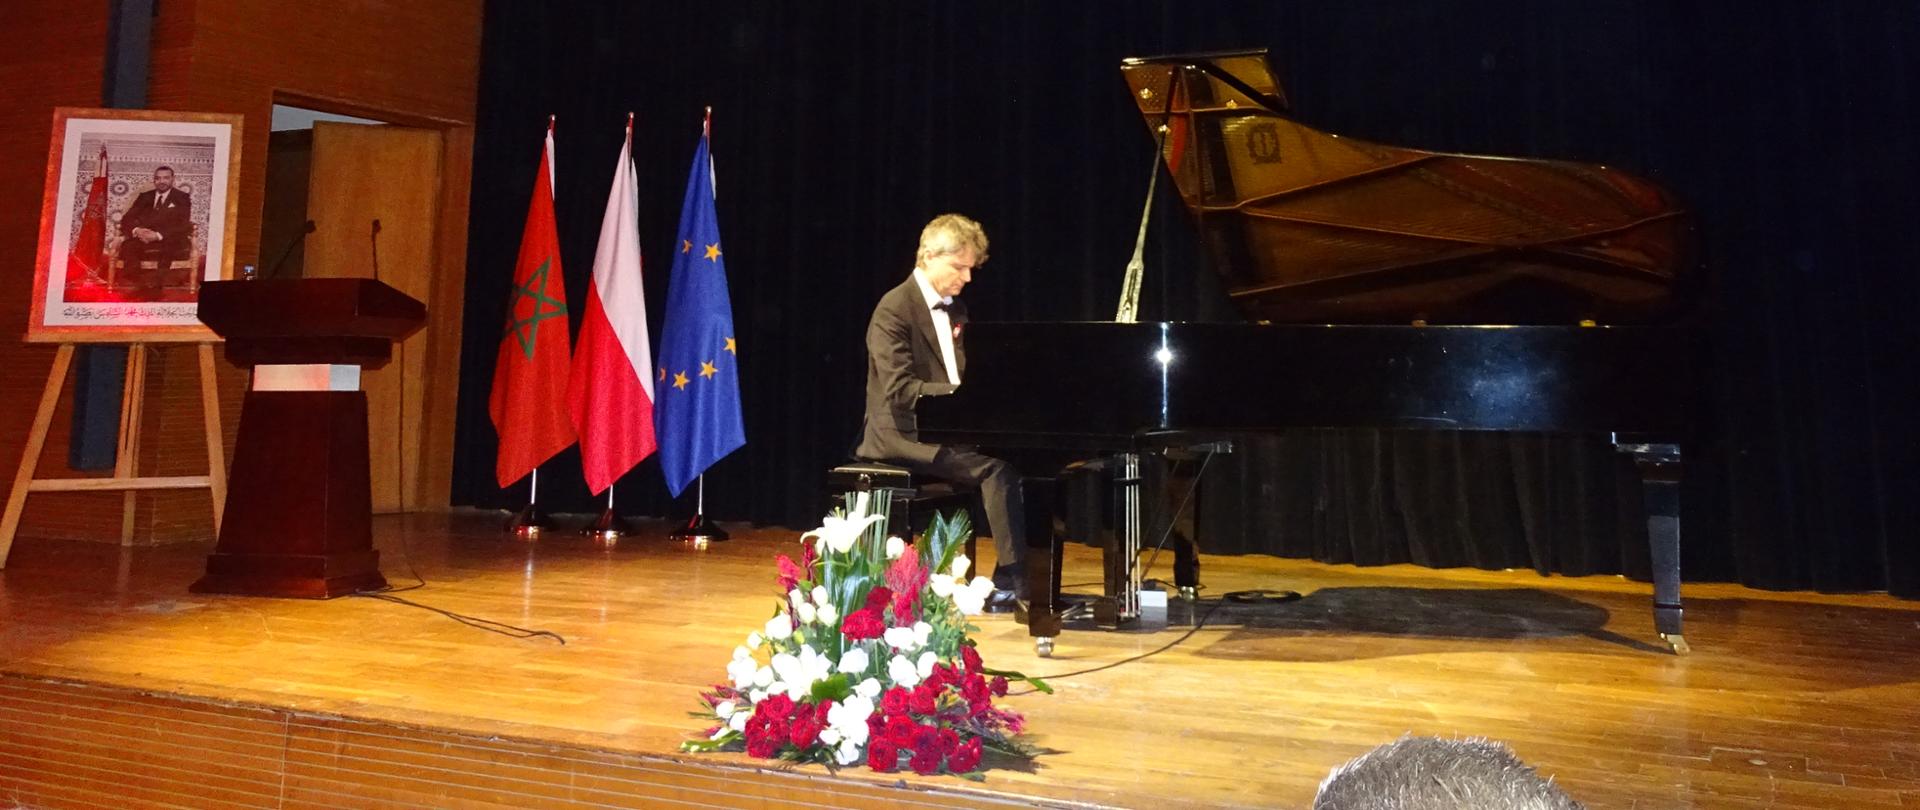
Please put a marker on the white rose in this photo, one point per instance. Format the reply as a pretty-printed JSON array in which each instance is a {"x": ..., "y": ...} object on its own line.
[
  {"x": 854, "y": 661},
  {"x": 724, "y": 710},
  {"x": 926, "y": 662},
  {"x": 830, "y": 736},
  {"x": 763, "y": 678},
  {"x": 895, "y": 548},
  {"x": 869, "y": 688},
  {"x": 738, "y": 722},
  {"x": 805, "y": 612},
  {"x": 921, "y": 632},
  {"x": 741, "y": 652},
  {"x": 827, "y": 614},
  {"x": 820, "y": 595},
  {"x": 900, "y": 638},
  {"x": 755, "y": 696},
  {"x": 754, "y": 640},
  {"x": 779, "y": 627},
  {"x": 796, "y": 597},
  {"x": 902, "y": 672},
  {"x": 741, "y": 670}
]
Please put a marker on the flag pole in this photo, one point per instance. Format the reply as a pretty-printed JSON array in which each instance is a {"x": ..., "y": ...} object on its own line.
[
  {"x": 700, "y": 532},
  {"x": 529, "y": 523},
  {"x": 606, "y": 530}
]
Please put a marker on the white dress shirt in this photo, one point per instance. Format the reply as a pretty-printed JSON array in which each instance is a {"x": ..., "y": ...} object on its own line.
[{"x": 942, "y": 325}]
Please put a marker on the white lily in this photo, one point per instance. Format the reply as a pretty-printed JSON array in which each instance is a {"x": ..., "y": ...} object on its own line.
[
  {"x": 960, "y": 563},
  {"x": 942, "y": 584},
  {"x": 849, "y": 717},
  {"x": 839, "y": 534},
  {"x": 848, "y": 752}
]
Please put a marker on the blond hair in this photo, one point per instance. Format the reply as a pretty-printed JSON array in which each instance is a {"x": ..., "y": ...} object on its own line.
[{"x": 948, "y": 234}]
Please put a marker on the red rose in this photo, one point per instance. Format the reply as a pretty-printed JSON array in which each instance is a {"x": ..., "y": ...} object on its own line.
[
  {"x": 966, "y": 757},
  {"x": 878, "y": 598},
  {"x": 927, "y": 738},
  {"x": 895, "y": 700},
  {"x": 925, "y": 699},
  {"x": 900, "y": 730},
  {"x": 925, "y": 763},
  {"x": 883, "y": 756},
  {"x": 775, "y": 707},
  {"x": 862, "y": 624},
  {"x": 949, "y": 740},
  {"x": 820, "y": 713},
  {"x": 970, "y": 657},
  {"x": 763, "y": 744},
  {"x": 976, "y": 690},
  {"x": 999, "y": 686},
  {"x": 805, "y": 732}
]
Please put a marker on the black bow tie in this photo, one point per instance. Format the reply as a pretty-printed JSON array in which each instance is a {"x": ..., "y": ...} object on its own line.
[{"x": 942, "y": 305}]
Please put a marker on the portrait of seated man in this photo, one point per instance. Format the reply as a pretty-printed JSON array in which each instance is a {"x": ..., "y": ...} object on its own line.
[{"x": 157, "y": 228}]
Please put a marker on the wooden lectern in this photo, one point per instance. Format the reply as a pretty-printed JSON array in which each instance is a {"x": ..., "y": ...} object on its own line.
[{"x": 299, "y": 508}]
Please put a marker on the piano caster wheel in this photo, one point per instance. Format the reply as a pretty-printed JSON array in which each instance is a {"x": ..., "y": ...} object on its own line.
[
  {"x": 1189, "y": 593},
  {"x": 1677, "y": 642},
  {"x": 1043, "y": 646}
]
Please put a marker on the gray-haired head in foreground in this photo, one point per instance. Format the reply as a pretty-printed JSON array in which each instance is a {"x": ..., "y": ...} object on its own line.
[{"x": 1428, "y": 773}]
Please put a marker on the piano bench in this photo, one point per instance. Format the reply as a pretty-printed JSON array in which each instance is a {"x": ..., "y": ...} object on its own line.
[{"x": 912, "y": 503}]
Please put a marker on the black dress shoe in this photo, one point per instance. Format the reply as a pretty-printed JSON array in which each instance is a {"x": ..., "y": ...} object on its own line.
[{"x": 1002, "y": 600}]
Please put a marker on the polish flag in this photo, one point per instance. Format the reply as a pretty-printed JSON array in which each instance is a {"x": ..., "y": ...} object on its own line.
[{"x": 610, "y": 392}]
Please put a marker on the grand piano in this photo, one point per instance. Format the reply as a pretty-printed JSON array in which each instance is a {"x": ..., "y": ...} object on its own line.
[{"x": 1382, "y": 287}]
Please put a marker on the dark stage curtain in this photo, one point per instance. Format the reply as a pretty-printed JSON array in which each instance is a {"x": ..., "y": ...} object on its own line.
[{"x": 840, "y": 129}]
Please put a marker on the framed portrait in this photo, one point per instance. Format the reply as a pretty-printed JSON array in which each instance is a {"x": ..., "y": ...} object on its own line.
[{"x": 138, "y": 212}]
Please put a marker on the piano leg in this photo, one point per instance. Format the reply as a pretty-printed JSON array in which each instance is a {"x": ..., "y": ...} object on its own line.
[
  {"x": 1041, "y": 610},
  {"x": 1659, "y": 466},
  {"x": 1120, "y": 606},
  {"x": 1186, "y": 544}
]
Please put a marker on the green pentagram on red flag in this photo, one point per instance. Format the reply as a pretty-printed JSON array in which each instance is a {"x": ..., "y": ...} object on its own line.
[{"x": 526, "y": 328}]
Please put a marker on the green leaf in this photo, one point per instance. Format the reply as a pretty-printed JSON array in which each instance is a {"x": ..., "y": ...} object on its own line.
[
  {"x": 834, "y": 688},
  {"x": 1012, "y": 675}
]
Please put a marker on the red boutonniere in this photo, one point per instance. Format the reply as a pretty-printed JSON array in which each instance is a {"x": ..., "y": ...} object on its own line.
[{"x": 956, "y": 331}]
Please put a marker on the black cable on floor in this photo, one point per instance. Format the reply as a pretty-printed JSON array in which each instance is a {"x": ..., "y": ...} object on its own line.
[
  {"x": 387, "y": 594},
  {"x": 1253, "y": 597}
]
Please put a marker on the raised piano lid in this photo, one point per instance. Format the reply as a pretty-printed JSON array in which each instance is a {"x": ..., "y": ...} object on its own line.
[{"x": 1311, "y": 227}]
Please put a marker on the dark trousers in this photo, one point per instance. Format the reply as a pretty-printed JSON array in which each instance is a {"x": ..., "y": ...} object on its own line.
[{"x": 999, "y": 486}]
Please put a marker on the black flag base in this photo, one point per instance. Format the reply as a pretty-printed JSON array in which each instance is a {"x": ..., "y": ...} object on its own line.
[
  {"x": 606, "y": 530},
  {"x": 530, "y": 524},
  {"x": 699, "y": 532}
]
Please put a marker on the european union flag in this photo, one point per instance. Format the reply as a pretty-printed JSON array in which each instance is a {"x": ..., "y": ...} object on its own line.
[{"x": 696, "y": 411}]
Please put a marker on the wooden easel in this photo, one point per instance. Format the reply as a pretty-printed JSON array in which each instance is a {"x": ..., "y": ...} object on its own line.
[{"x": 126, "y": 470}]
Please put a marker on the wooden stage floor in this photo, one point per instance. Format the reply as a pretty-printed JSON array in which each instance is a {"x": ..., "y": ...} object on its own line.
[{"x": 115, "y": 681}]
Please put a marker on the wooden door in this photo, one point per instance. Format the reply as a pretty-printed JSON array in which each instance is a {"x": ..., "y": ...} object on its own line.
[{"x": 363, "y": 174}]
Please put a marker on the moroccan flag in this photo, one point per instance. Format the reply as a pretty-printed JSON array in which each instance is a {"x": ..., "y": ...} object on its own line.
[
  {"x": 699, "y": 407},
  {"x": 530, "y": 375},
  {"x": 89, "y": 254},
  {"x": 611, "y": 396}
]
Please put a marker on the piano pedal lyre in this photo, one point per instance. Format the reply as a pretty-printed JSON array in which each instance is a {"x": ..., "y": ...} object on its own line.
[{"x": 1677, "y": 641}]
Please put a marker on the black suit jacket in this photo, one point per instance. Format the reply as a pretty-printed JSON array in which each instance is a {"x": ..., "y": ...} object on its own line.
[
  {"x": 174, "y": 222},
  {"x": 903, "y": 365}
]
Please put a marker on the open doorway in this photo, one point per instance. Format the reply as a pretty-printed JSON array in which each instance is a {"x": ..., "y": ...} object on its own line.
[{"x": 349, "y": 196}]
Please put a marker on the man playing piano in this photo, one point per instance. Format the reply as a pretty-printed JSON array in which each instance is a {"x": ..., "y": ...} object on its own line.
[{"x": 914, "y": 350}]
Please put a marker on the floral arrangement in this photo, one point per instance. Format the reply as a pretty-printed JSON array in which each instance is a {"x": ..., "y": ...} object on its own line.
[{"x": 867, "y": 659}]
